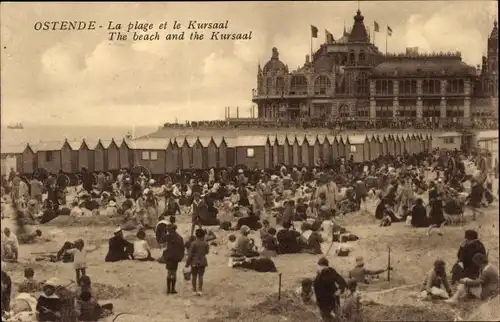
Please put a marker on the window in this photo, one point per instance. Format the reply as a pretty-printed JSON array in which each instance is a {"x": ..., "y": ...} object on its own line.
[
  {"x": 49, "y": 156},
  {"x": 269, "y": 85},
  {"x": 449, "y": 140},
  {"x": 362, "y": 55},
  {"x": 153, "y": 155},
  {"x": 280, "y": 85},
  {"x": 353, "y": 149},
  {"x": 298, "y": 85},
  {"x": 145, "y": 155},
  {"x": 250, "y": 153},
  {"x": 321, "y": 85},
  {"x": 384, "y": 87}
]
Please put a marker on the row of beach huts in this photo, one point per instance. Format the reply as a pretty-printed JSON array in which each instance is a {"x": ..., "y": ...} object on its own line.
[{"x": 162, "y": 156}]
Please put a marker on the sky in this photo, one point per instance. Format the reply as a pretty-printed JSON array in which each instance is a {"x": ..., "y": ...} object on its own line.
[{"x": 81, "y": 78}]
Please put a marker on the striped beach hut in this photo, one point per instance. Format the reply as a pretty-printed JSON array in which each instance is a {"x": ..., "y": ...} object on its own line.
[
  {"x": 173, "y": 157},
  {"x": 222, "y": 151},
  {"x": 86, "y": 155},
  {"x": 29, "y": 159},
  {"x": 113, "y": 156},
  {"x": 298, "y": 150},
  {"x": 289, "y": 141},
  {"x": 269, "y": 153},
  {"x": 312, "y": 150}
]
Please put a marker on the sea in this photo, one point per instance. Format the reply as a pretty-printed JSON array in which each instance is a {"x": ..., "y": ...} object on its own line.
[{"x": 13, "y": 139}]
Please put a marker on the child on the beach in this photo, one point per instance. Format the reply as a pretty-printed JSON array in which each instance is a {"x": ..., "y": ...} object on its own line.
[{"x": 79, "y": 258}]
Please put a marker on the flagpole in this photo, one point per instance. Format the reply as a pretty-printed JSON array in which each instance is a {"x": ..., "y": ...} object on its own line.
[
  {"x": 311, "y": 48},
  {"x": 374, "y": 32},
  {"x": 386, "y": 38}
]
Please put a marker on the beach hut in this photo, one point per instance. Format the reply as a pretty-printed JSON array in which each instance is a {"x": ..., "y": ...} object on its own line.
[
  {"x": 391, "y": 146},
  {"x": 112, "y": 156},
  {"x": 281, "y": 157},
  {"x": 320, "y": 143},
  {"x": 289, "y": 141},
  {"x": 230, "y": 151},
  {"x": 29, "y": 160},
  {"x": 173, "y": 159},
  {"x": 186, "y": 151},
  {"x": 69, "y": 156},
  {"x": 269, "y": 153},
  {"x": 398, "y": 144},
  {"x": 330, "y": 150},
  {"x": 100, "y": 156},
  {"x": 359, "y": 148},
  {"x": 374, "y": 148},
  {"x": 311, "y": 154},
  {"x": 86, "y": 156},
  {"x": 340, "y": 146},
  {"x": 148, "y": 153},
  {"x": 127, "y": 156},
  {"x": 49, "y": 156},
  {"x": 384, "y": 145},
  {"x": 297, "y": 150},
  {"x": 222, "y": 148},
  {"x": 208, "y": 153},
  {"x": 197, "y": 149},
  {"x": 411, "y": 144},
  {"x": 251, "y": 151}
]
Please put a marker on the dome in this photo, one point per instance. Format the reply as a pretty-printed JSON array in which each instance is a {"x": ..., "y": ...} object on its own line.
[{"x": 274, "y": 64}]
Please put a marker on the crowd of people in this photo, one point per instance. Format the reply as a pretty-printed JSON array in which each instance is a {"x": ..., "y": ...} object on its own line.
[
  {"x": 269, "y": 202},
  {"x": 347, "y": 123}
]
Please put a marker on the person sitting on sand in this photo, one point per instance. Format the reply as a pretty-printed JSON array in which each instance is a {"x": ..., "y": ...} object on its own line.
[
  {"x": 243, "y": 245},
  {"x": 23, "y": 309},
  {"x": 251, "y": 221},
  {"x": 435, "y": 281},
  {"x": 129, "y": 219},
  {"x": 269, "y": 243},
  {"x": 305, "y": 292},
  {"x": 288, "y": 240},
  {"x": 10, "y": 246},
  {"x": 86, "y": 306},
  {"x": 265, "y": 228},
  {"x": 29, "y": 285},
  {"x": 465, "y": 266},
  {"x": 313, "y": 240},
  {"x": 484, "y": 287},
  {"x": 111, "y": 209},
  {"x": 361, "y": 274},
  {"x": 119, "y": 248},
  {"x": 142, "y": 250},
  {"x": 49, "y": 304}
]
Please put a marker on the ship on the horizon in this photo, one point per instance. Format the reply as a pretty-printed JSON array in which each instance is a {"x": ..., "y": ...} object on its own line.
[{"x": 17, "y": 126}]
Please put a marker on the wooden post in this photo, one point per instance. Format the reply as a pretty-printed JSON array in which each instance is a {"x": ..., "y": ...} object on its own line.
[
  {"x": 389, "y": 265},
  {"x": 279, "y": 286}
]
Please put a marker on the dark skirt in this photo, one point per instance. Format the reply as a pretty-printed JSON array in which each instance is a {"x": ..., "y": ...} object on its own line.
[{"x": 172, "y": 265}]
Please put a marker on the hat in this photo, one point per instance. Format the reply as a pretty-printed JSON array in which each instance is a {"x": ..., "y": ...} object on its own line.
[
  {"x": 117, "y": 230},
  {"x": 112, "y": 203},
  {"x": 244, "y": 229},
  {"x": 51, "y": 282},
  {"x": 240, "y": 171},
  {"x": 32, "y": 202},
  {"x": 360, "y": 260},
  {"x": 145, "y": 192},
  {"x": 152, "y": 181}
]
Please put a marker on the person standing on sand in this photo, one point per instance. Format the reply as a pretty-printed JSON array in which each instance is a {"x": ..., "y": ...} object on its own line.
[
  {"x": 173, "y": 254},
  {"x": 197, "y": 260},
  {"x": 328, "y": 285}
]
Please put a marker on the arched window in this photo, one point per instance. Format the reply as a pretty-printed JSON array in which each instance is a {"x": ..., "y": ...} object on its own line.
[
  {"x": 298, "y": 85},
  {"x": 269, "y": 85},
  {"x": 362, "y": 56},
  {"x": 352, "y": 57},
  {"x": 280, "y": 85},
  {"x": 321, "y": 85}
]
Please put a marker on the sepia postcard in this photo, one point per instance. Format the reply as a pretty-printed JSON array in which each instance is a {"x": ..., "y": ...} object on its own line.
[{"x": 249, "y": 161}]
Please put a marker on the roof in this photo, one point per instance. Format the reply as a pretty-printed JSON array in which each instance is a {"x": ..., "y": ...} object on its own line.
[
  {"x": 448, "y": 134},
  {"x": 330, "y": 138},
  {"x": 75, "y": 145},
  {"x": 179, "y": 140},
  {"x": 423, "y": 64},
  {"x": 484, "y": 135},
  {"x": 205, "y": 141},
  {"x": 12, "y": 149},
  {"x": 311, "y": 139},
  {"x": 47, "y": 146},
  {"x": 149, "y": 144},
  {"x": 218, "y": 140},
  {"x": 357, "y": 139},
  {"x": 274, "y": 64},
  {"x": 254, "y": 140},
  {"x": 91, "y": 144},
  {"x": 191, "y": 140},
  {"x": 300, "y": 139},
  {"x": 272, "y": 139},
  {"x": 281, "y": 139},
  {"x": 104, "y": 143},
  {"x": 321, "y": 138}
]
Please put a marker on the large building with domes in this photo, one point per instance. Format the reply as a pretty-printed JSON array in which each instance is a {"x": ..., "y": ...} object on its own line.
[{"x": 350, "y": 78}]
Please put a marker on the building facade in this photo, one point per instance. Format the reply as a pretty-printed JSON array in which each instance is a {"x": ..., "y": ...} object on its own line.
[{"x": 350, "y": 78}]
